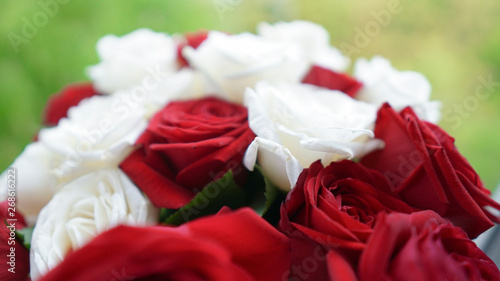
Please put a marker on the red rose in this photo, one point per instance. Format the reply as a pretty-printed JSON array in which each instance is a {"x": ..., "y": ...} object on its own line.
[
  {"x": 422, "y": 246},
  {"x": 15, "y": 265},
  {"x": 332, "y": 80},
  {"x": 58, "y": 105},
  {"x": 423, "y": 166},
  {"x": 187, "y": 145},
  {"x": 336, "y": 207},
  {"x": 193, "y": 40},
  {"x": 232, "y": 246}
]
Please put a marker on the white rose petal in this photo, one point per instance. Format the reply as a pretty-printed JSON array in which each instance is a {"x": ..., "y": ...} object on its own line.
[
  {"x": 312, "y": 38},
  {"x": 230, "y": 63},
  {"x": 276, "y": 158},
  {"x": 81, "y": 210},
  {"x": 185, "y": 84},
  {"x": 297, "y": 125},
  {"x": 127, "y": 60},
  {"x": 382, "y": 83}
]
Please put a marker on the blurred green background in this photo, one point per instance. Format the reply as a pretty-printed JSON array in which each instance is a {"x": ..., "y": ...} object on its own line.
[{"x": 453, "y": 43}]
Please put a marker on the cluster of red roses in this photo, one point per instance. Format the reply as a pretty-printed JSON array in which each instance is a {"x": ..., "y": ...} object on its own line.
[{"x": 405, "y": 212}]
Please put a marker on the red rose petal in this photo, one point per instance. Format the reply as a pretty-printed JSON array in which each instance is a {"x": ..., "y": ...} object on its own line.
[
  {"x": 162, "y": 191},
  {"x": 192, "y": 39},
  {"x": 339, "y": 269},
  {"x": 251, "y": 240},
  {"x": 332, "y": 80}
]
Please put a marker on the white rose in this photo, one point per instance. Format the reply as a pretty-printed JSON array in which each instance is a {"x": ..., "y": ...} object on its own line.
[
  {"x": 382, "y": 83},
  {"x": 313, "y": 39},
  {"x": 80, "y": 211},
  {"x": 230, "y": 63},
  {"x": 126, "y": 61},
  {"x": 298, "y": 124},
  {"x": 98, "y": 134}
]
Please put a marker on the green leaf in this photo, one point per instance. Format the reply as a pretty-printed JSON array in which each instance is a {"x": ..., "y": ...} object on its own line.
[
  {"x": 165, "y": 213},
  {"x": 25, "y": 235},
  {"x": 255, "y": 189},
  {"x": 272, "y": 192},
  {"x": 214, "y": 196},
  {"x": 274, "y": 198}
]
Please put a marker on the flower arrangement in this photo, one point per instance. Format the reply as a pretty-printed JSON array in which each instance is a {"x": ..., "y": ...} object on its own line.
[{"x": 214, "y": 156}]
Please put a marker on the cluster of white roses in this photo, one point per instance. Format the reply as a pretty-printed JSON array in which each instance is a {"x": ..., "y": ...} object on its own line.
[{"x": 69, "y": 182}]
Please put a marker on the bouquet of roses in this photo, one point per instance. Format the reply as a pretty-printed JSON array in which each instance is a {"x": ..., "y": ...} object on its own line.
[{"x": 213, "y": 156}]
